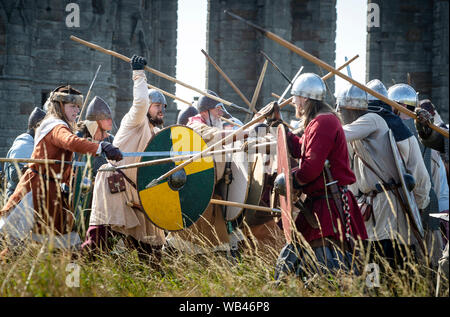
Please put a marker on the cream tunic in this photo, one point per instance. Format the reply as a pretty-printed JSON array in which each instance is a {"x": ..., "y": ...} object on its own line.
[
  {"x": 133, "y": 136},
  {"x": 369, "y": 135}
]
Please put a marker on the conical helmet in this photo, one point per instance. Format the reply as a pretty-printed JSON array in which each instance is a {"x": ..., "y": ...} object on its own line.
[
  {"x": 185, "y": 114},
  {"x": 379, "y": 87},
  {"x": 35, "y": 117},
  {"x": 353, "y": 98},
  {"x": 156, "y": 96},
  {"x": 404, "y": 94},
  {"x": 309, "y": 85},
  {"x": 98, "y": 109},
  {"x": 205, "y": 103}
]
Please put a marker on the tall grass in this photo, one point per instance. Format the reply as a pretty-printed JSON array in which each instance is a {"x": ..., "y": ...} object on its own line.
[{"x": 39, "y": 270}]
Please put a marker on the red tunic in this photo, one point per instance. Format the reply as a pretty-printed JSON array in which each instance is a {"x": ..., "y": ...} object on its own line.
[
  {"x": 58, "y": 144},
  {"x": 324, "y": 139}
]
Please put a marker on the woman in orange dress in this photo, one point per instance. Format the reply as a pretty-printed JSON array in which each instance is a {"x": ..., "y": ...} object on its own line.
[{"x": 38, "y": 202}]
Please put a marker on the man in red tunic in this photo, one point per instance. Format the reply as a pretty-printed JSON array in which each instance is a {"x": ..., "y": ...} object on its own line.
[
  {"x": 323, "y": 139},
  {"x": 38, "y": 201}
]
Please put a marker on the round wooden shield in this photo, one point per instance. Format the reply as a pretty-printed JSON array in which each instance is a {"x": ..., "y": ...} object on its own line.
[
  {"x": 257, "y": 176},
  {"x": 284, "y": 167},
  {"x": 178, "y": 201},
  {"x": 237, "y": 190}
]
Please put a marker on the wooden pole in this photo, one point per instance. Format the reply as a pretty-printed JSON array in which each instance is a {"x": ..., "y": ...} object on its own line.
[
  {"x": 246, "y": 206},
  {"x": 258, "y": 87},
  {"x": 156, "y": 72},
  {"x": 331, "y": 69},
  {"x": 169, "y": 94},
  {"x": 227, "y": 79},
  {"x": 331, "y": 74}
]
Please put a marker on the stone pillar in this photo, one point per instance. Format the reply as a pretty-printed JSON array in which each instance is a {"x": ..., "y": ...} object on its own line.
[
  {"x": 236, "y": 47},
  {"x": 412, "y": 38},
  {"x": 37, "y": 55},
  {"x": 439, "y": 90}
]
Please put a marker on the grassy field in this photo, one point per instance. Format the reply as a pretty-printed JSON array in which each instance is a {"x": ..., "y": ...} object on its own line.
[{"x": 40, "y": 271}]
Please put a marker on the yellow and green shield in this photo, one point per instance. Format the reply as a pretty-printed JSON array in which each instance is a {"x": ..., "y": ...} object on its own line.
[{"x": 178, "y": 201}]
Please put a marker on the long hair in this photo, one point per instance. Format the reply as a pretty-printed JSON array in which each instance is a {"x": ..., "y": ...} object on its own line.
[
  {"x": 313, "y": 107},
  {"x": 56, "y": 106},
  {"x": 55, "y": 110}
]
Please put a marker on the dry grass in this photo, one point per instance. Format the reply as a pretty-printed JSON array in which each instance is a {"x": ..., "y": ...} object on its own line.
[{"x": 38, "y": 271}]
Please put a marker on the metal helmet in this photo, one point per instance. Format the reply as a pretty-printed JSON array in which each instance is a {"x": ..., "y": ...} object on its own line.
[
  {"x": 35, "y": 117},
  {"x": 309, "y": 85},
  {"x": 205, "y": 103},
  {"x": 404, "y": 94},
  {"x": 156, "y": 96},
  {"x": 185, "y": 114},
  {"x": 98, "y": 109},
  {"x": 352, "y": 98},
  {"x": 379, "y": 87}
]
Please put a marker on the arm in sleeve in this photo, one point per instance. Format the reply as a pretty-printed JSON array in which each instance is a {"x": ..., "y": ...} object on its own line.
[
  {"x": 294, "y": 144},
  {"x": 63, "y": 138},
  {"x": 138, "y": 111},
  {"x": 319, "y": 140},
  {"x": 359, "y": 129}
]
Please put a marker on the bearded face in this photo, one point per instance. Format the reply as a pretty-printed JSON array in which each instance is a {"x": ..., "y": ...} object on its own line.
[{"x": 156, "y": 114}]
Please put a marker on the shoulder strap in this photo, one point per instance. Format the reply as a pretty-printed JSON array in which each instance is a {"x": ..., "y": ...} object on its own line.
[
  {"x": 127, "y": 179},
  {"x": 364, "y": 162}
]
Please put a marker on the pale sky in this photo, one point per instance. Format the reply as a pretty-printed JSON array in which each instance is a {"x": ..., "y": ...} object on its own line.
[{"x": 191, "y": 63}]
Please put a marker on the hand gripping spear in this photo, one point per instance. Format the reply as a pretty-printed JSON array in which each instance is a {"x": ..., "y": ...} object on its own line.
[{"x": 329, "y": 68}]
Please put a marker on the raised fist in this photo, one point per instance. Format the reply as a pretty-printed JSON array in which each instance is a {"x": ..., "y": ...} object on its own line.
[{"x": 138, "y": 62}]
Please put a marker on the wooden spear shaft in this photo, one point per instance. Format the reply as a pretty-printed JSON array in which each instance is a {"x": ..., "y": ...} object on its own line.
[
  {"x": 331, "y": 74},
  {"x": 258, "y": 87},
  {"x": 176, "y": 158},
  {"x": 37, "y": 161},
  {"x": 227, "y": 79},
  {"x": 327, "y": 76},
  {"x": 169, "y": 94},
  {"x": 240, "y": 205},
  {"x": 156, "y": 72},
  {"x": 331, "y": 69},
  {"x": 220, "y": 142}
]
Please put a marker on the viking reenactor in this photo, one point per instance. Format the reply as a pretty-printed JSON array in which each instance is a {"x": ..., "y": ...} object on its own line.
[
  {"x": 95, "y": 128},
  {"x": 210, "y": 231},
  {"x": 115, "y": 206},
  {"x": 22, "y": 147},
  {"x": 377, "y": 181},
  {"x": 339, "y": 220},
  {"x": 439, "y": 169},
  {"x": 38, "y": 202},
  {"x": 185, "y": 114},
  {"x": 406, "y": 96}
]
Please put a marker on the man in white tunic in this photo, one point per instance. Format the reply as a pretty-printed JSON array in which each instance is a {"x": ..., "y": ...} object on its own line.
[
  {"x": 119, "y": 212},
  {"x": 367, "y": 135}
]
